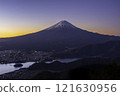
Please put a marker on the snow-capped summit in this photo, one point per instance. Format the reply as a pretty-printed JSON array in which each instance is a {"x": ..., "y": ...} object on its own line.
[{"x": 62, "y": 24}]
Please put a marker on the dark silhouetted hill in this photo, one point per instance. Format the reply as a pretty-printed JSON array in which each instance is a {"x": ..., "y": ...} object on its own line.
[{"x": 108, "y": 49}]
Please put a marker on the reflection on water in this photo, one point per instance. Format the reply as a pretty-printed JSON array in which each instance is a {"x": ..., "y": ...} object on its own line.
[{"x": 5, "y": 68}]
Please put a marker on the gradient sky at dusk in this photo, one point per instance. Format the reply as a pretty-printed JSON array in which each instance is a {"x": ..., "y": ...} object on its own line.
[{"x": 18, "y": 17}]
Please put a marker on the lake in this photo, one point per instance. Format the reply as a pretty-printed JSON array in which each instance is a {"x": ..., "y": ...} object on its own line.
[
  {"x": 5, "y": 68},
  {"x": 67, "y": 60}
]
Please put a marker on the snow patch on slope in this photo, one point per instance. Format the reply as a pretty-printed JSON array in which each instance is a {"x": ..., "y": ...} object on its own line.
[{"x": 61, "y": 24}]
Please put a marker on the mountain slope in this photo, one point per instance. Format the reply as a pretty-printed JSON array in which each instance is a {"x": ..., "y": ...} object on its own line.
[{"x": 60, "y": 36}]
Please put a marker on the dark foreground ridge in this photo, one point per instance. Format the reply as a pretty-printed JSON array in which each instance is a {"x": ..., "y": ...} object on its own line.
[{"x": 85, "y": 69}]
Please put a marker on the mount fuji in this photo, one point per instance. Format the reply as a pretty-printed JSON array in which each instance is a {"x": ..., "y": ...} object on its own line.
[
  {"x": 57, "y": 37},
  {"x": 62, "y": 24}
]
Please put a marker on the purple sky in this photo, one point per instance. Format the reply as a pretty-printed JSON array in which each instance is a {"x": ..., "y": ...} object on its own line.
[{"x": 19, "y": 17}]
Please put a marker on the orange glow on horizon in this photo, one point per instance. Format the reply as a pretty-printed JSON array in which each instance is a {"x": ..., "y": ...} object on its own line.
[
  {"x": 10, "y": 32},
  {"x": 8, "y": 35},
  {"x": 14, "y": 33}
]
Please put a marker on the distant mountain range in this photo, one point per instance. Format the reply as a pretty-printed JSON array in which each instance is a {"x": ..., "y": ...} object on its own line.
[
  {"x": 107, "y": 49},
  {"x": 58, "y": 37}
]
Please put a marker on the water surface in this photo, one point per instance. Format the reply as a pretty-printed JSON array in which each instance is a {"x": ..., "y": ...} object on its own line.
[
  {"x": 67, "y": 60},
  {"x": 5, "y": 68}
]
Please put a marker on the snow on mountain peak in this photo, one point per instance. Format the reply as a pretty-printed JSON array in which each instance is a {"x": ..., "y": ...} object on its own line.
[{"x": 62, "y": 24}]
